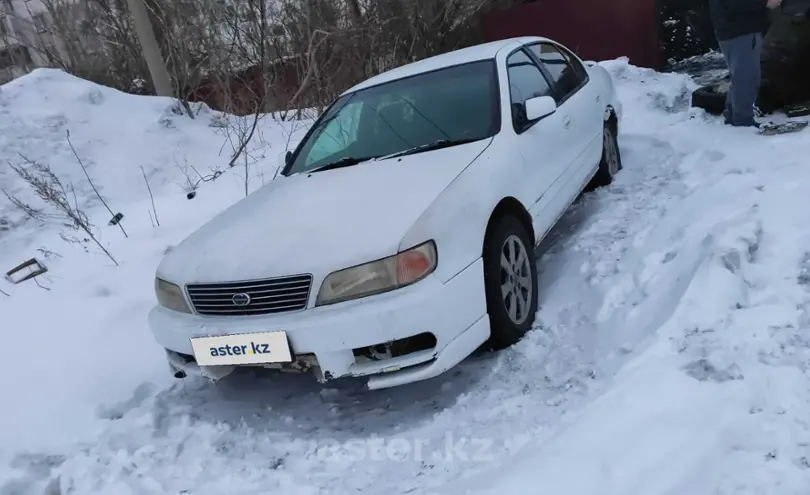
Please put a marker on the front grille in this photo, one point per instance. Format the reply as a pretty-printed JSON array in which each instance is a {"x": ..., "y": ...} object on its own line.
[{"x": 275, "y": 295}]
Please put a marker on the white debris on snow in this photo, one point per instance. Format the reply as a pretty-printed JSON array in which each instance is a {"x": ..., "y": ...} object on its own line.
[{"x": 670, "y": 354}]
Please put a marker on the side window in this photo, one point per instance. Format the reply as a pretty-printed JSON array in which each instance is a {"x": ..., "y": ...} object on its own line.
[
  {"x": 579, "y": 69},
  {"x": 568, "y": 74},
  {"x": 526, "y": 81}
]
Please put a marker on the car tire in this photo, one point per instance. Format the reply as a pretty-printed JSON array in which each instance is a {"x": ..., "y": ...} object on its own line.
[
  {"x": 711, "y": 98},
  {"x": 611, "y": 161},
  {"x": 509, "y": 262}
]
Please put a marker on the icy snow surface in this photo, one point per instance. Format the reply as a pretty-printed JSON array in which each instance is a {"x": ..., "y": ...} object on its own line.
[{"x": 670, "y": 355}]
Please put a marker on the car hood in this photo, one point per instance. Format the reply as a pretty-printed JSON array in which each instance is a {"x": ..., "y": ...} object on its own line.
[{"x": 319, "y": 222}]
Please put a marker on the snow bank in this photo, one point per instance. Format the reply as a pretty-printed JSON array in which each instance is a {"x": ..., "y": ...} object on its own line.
[
  {"x": 81, "y": 339},
  {"x": 669, "y": 357}
]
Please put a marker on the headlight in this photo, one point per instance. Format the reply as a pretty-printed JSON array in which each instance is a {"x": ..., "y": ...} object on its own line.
[
  {"x": 379, "y": 276},
  {"x": 170, "y": 296}
]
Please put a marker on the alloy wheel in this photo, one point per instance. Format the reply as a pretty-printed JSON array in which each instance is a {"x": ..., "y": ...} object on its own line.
[
  {"x": 516, "y": 279},
  {"x": 611, "y": 153}
]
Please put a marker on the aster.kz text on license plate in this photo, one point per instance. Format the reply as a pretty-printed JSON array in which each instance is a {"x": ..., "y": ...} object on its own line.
[{"x": 247, "y": 348}]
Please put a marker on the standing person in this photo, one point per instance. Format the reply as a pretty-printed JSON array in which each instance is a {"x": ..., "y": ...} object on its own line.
[{"x": 739, "y": 26}]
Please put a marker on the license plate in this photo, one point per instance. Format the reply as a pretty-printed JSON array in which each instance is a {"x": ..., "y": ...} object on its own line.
[{"x": 247, "y": 348}]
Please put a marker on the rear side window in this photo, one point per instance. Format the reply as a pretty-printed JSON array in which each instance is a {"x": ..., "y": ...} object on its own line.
[
  {"x": 567, "y": 73},
  {"x": 526, "y": 81}
]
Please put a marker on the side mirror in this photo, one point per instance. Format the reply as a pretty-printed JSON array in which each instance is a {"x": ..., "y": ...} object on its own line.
[
  {"x": 539, "y": 107},
  {"x": 284, "y": 158}
]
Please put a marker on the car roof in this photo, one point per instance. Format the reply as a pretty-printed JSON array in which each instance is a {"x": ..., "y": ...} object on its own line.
[{"x": 484, "y": 51}]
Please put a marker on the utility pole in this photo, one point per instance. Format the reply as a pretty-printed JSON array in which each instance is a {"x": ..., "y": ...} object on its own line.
[{"x": 151, "y": 50}]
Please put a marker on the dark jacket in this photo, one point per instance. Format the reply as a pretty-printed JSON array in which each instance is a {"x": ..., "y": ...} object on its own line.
[{"x": 734, "y": 18}]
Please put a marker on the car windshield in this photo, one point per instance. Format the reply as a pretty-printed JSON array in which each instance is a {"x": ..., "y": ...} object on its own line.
[{"x": 448, "y": 106}]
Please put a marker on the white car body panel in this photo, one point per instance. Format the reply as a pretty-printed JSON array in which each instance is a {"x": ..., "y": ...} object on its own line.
[
  {"x": 327, "y": 221},
  {"x": 309, "y": 212},
  {"x": 331, "y": 332}
]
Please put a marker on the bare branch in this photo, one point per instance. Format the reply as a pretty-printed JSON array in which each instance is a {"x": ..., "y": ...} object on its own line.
[
  {"x": 151, "y": 197},
  {"x": 45, "y": 184},
  {"x": 90, "y": 181}
]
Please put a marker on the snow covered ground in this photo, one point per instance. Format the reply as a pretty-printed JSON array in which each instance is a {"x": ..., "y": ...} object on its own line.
[{"x": 670, "y": 355}]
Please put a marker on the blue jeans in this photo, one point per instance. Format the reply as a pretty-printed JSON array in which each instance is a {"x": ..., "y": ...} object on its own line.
[{"x": 742, "y": 56}]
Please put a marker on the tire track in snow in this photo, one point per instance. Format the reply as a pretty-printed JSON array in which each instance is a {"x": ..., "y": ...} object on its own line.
[{"x": 737, "y": 423}]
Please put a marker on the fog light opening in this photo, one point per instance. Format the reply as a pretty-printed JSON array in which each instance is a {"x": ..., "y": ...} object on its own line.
[{"x": 379, "y": 352}]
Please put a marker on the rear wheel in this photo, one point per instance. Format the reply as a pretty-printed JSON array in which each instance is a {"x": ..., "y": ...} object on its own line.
[
  {"x": 611, "y": 161},
  {"x": 510, "y": 278}
]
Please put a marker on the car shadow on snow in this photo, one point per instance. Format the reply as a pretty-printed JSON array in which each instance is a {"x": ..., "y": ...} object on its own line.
[{"x": 266, "y": 401}]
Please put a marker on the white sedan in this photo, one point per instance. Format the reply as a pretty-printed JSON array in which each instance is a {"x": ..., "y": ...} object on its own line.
[{"x": 399, "y": 236}]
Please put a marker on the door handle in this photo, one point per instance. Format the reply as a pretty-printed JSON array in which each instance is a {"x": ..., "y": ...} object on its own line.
[{"x": 567, "y": 121}]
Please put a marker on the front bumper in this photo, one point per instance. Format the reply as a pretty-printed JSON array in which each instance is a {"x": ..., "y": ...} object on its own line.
[{"x": 453, "y": 312}]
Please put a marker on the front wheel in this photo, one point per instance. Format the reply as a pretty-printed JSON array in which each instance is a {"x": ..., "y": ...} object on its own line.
[{"x": 510, "y": 280}]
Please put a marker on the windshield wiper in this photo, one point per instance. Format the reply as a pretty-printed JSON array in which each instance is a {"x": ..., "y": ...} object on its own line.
[
  {"x": 352, "y": 160},
  {"x": 343, "y": 162},
  {"x": 435, "y": 145}
]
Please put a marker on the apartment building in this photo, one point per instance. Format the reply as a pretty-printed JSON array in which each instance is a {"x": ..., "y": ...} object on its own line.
[{"x": 25, "y": 38}]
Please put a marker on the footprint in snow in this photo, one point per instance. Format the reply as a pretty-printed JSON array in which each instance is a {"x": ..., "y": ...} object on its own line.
[
  {"x": 804, "y": 271},
  {"x": 704, "y": 371},
  {"x": 94, "y": 97}
]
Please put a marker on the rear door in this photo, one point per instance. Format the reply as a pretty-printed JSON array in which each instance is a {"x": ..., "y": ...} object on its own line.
[{"x": 581, "y": 102}]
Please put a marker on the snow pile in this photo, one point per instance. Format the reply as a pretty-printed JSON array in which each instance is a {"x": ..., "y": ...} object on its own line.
[
  {"x": 669, "y": 357},
  {"x": 79, "y": 337}
]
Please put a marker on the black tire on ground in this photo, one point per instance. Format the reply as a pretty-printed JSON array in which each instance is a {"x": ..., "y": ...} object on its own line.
[
  {"x": 611, "y": 161},
  {"x": 711, "y": 98},
  {"x": 510, "y": 282}
]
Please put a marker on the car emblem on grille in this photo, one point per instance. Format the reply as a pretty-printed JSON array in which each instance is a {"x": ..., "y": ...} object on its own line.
[{"x": 240, "y": 299}]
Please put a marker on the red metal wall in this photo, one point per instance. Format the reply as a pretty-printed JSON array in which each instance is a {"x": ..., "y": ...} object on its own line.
[{"x": 594, "y": 29}]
